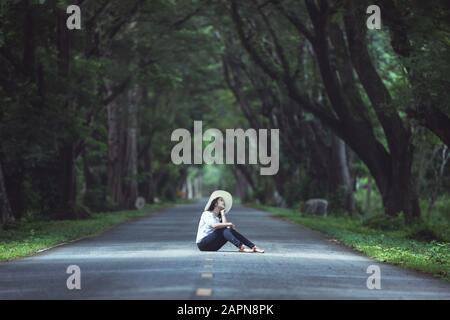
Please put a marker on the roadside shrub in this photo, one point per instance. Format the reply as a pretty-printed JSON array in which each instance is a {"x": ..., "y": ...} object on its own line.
[
  {"x": 384, "y": 222},
  {"x": 424, "y": 232}
]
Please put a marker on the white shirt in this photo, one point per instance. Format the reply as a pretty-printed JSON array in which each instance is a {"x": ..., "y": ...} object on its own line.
[{"x": 205, "y": 228}]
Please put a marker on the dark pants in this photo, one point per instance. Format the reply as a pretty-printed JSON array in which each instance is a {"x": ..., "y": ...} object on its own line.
[{"x": 219, "y": 237}]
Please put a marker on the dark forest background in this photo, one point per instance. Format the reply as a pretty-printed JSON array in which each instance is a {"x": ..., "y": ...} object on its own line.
[{"x": 86, "y": 115}]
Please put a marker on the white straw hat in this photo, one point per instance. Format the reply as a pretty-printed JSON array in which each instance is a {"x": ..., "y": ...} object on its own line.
[{"x": 226, "y": 196}]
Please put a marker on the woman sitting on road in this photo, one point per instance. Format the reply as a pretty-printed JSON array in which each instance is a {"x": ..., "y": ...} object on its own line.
[{"x": 214, "y": 230}]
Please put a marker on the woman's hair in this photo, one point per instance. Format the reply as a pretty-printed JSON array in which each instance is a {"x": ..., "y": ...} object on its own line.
[{"x": 213, "y": 205}]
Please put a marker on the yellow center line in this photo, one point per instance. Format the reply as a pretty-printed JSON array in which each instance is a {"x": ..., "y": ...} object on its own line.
[
  {"x": 204, "y": 292},
  {"x": 207, "y": 275}
]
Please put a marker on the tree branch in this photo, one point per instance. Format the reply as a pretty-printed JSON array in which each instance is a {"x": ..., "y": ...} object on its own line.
[
  {"x": 296, "y": 22},
  {"x": 278, "y": 48}
]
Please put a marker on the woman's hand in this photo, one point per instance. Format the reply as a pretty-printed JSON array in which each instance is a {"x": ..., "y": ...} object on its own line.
[{"x": 230, "y": 225}]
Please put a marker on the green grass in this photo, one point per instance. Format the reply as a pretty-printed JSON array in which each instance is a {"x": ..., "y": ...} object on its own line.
[
  {"x": 395, "y": 246},
  {"x": 29, "y": 237}
]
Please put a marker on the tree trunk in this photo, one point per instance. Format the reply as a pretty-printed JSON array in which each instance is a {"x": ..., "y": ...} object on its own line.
[
  {"x": 114, "y": 153},
  {"x": 242, "y": 186},
  {"x": 246, "y": 173},
  {"x": 66, "y": 156},
  {"x": 14, "y": 185},
  {"x": 94, "y": 193},
  {"x": 67, "y": 183},
  {"x": 340, "y": 164},
  {"x": 438, "y": 175},
  {"x": 5, "y": 208},
  {"x": 122, "y": 150},
  {"x": 399, "y": 195},
  {"x": 148, "y": 185},
  {"x": 190, "y": 193},
  {"x": 131, "y": 154},
  {"x": 367, "y": 207},
  {"x": 29, "y": 45}
]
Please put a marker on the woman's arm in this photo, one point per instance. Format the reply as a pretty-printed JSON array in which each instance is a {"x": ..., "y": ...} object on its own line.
[
  {"x": 225, "y": 221},
  {"x": 223, "y": 215},
  {"x": 211, "y": 221},
  {"x": 222, "y": 225}
]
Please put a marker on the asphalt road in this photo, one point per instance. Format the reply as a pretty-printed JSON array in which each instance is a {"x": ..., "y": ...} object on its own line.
[{"x": 156, "y": 258}]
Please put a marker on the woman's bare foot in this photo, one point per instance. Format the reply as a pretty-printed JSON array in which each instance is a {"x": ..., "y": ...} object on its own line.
[
  {"x": 244, "y": 249},
  {"x": 256, "y": 249}
]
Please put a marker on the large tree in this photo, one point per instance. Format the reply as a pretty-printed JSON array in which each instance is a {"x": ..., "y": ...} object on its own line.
[{"x": 340, "y": 48}]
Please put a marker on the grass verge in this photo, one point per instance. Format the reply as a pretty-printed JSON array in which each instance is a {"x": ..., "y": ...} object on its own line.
[
  {"x": 29, "y": 237},
  {"x": 395, "y": 247}
]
